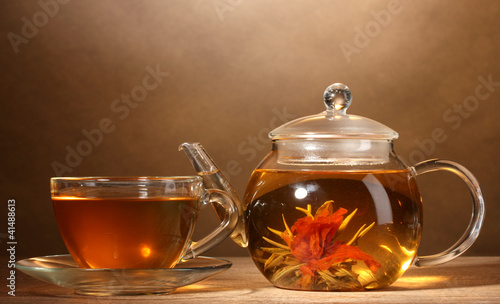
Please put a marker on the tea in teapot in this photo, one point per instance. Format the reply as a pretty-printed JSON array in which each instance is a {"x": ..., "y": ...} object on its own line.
[{"x": 333, "y": 229}]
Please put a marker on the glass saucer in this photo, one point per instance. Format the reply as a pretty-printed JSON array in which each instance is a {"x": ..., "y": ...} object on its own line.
[{"x": 62, "y": 270}]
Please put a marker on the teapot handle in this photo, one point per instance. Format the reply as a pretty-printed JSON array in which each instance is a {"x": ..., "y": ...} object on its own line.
[{"x": 478, "y": 210}]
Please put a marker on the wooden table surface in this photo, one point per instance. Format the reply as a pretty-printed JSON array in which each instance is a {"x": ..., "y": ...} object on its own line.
[{"x": 464, "y": 280}]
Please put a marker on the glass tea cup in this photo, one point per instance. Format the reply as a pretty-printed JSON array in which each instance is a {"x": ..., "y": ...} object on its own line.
[{"x": 136, "y": 222}]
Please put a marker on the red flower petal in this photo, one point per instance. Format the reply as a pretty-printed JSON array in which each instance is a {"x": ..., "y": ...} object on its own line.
[
  {"x": 312, "y": 236},
  {"x": 306, "y": 270},
  {"x": 341, "y": 253},
  {"x": 312, "y": 242}
]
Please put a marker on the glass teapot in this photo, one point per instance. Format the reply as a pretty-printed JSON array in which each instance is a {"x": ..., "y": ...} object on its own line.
[{"x": 332, "y": 207}]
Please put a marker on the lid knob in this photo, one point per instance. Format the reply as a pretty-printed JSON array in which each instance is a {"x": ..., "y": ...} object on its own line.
[{"x": 337, "y": 98}]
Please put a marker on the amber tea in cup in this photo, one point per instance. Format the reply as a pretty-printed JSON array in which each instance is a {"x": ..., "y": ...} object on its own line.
[
  {"x": 126, "y": 233},
  {"x": 138, "y": 222}
]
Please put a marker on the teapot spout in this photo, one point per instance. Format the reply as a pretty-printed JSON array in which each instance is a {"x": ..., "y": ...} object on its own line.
[{"x": 214, "y": 179}]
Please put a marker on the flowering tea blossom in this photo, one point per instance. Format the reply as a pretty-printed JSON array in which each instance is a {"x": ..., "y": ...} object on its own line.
[{"x": 313, "y": 258}]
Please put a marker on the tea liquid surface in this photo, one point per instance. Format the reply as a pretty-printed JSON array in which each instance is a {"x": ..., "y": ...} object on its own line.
[
  {"x": 126, "y": 233},
  {"x": 321, "y": 230}
]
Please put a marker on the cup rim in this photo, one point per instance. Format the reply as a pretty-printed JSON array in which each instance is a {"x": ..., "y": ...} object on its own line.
[
  {"x": 125, "y": 186},
  {"x": 113, "y": 178}
]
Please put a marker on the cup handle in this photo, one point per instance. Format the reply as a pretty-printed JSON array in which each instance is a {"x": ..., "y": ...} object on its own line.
[
  {"x": 225, "y": 228},
  {"x": 477, "y": 218}
]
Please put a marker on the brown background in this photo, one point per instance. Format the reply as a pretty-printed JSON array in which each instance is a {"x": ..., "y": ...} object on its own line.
[{"x": 234, "y": 68}]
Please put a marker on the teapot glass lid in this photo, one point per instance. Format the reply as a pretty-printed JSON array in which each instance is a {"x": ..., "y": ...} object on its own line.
[{"x": 334, "y": 122}]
